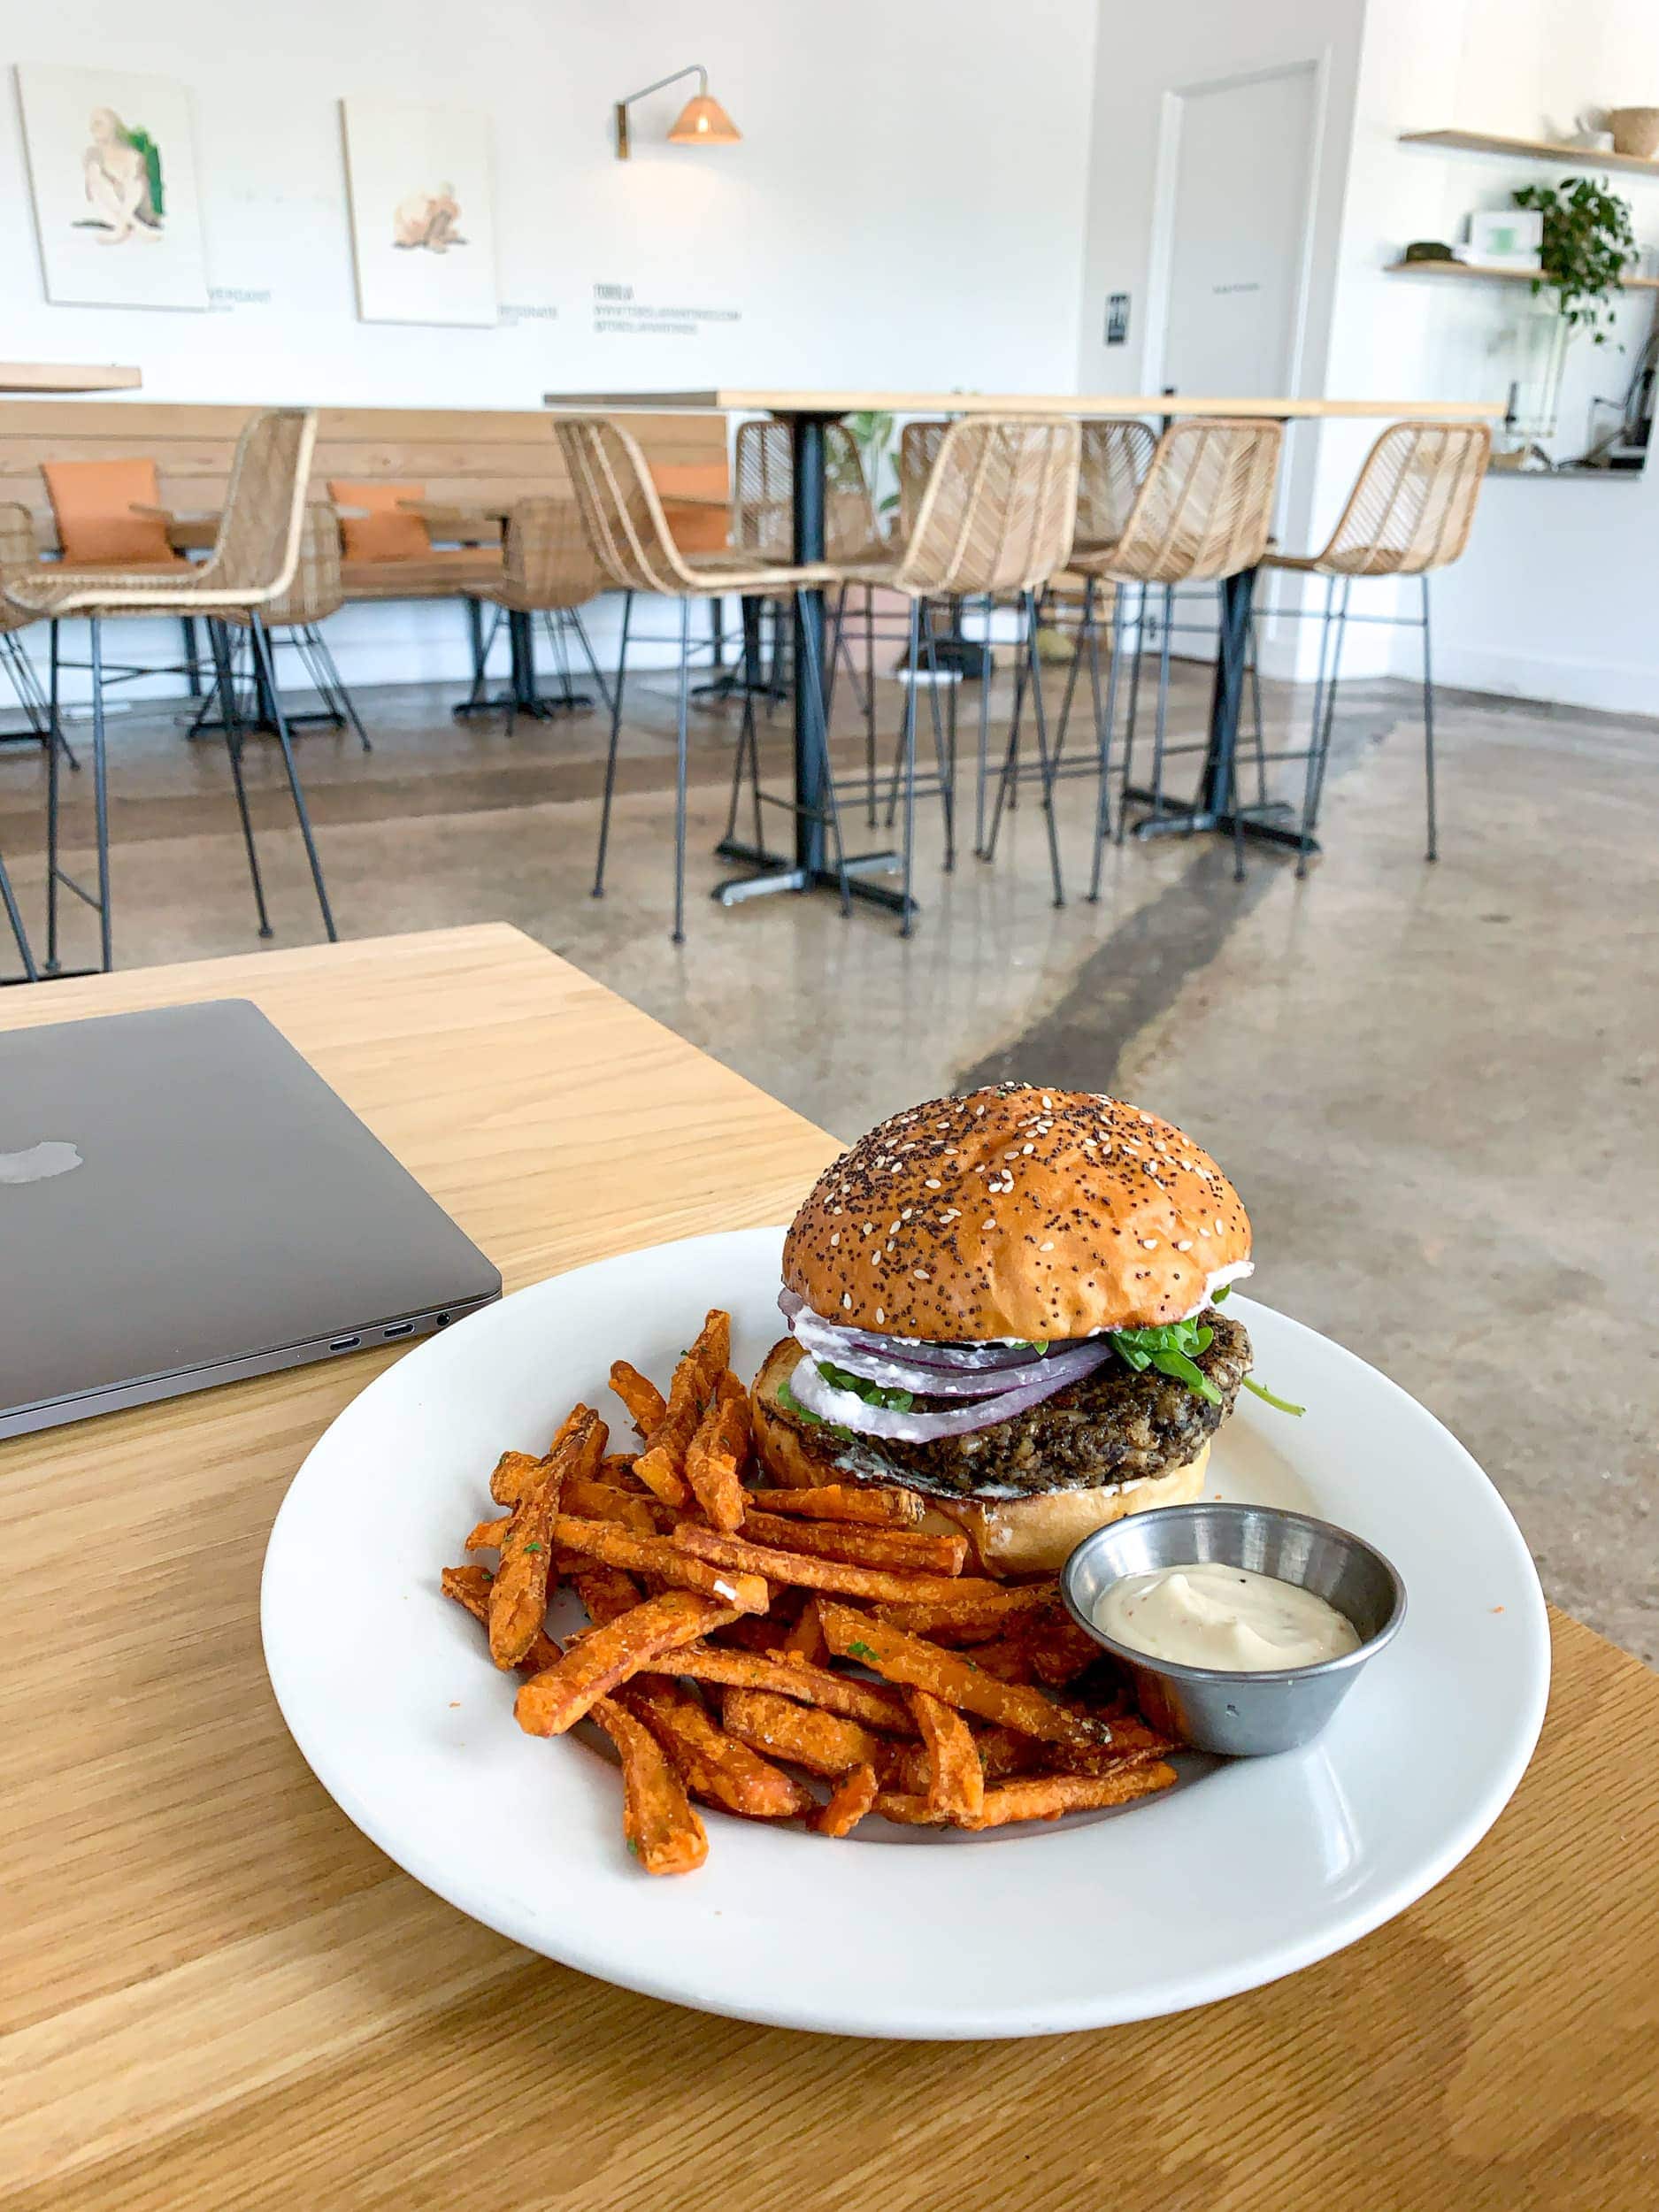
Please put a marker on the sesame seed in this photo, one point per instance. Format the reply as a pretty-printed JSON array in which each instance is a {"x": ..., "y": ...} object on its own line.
[
  {"x": 846, "y": 1300},
  {"x": 1149, "y": 1244},
  {"x": 921, "y": 1275},
  {"x": 880, "y": 1316},
  {"x": 835, "y": 1236},
  {"x": 1047, "y": 1247},
  {"x": 1184, "y": 1245},
  {"x": 932, "y": 1182}
]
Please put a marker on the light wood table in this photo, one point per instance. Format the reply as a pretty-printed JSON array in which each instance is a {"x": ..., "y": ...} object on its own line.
[
  {"x": 729, "y": 400},
  {"x": 216, "y": 1993},
  {"x": 64, "y": 376}
]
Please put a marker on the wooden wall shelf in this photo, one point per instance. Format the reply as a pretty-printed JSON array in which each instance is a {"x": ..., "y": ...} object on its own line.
[
  {"x": 52, "y": 376},
  {"x": 1507, "y": 276},
  {"x": 1531, "y": 150}
]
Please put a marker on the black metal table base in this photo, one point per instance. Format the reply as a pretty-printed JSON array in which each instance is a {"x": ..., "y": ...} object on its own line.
[
  {"x": 1170, "y": 820},
  {"x": 539, "y": 710},
  {"x": 774, "y": 872}
]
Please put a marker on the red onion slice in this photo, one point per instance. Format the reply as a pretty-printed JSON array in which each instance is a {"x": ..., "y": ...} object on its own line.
[
  {"x": 835, "y": 1341},
  {"x": 808, "y": 1388},
  {"x": 1065, "y": 1363}
]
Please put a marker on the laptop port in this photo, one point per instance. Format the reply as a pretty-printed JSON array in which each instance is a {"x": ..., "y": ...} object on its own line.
[
  {"x": 345, "y": 1344},
  {"x": 399, "y": 1328}
]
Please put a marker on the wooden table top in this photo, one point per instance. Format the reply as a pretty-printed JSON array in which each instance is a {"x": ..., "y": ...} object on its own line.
[
  {"x": 215, "y": 1992},
  {"x": 730, "y": 401},
  {"x": 67, "y": 376}
]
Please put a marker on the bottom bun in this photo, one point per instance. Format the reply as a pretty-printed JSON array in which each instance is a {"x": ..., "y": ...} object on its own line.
[{"x": 1011, "y": 1536}]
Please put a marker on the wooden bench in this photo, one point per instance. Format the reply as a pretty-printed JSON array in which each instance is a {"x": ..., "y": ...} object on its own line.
[{"x": 459, "y": 455}]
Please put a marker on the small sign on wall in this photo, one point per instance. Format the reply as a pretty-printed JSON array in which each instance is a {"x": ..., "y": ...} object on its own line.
[{"x": 1117, "y": 318}]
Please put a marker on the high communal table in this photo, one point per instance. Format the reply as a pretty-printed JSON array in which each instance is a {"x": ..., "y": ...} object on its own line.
[
  {"x": 217, "y": 1996},
  {"x": 807, "y": 413}
]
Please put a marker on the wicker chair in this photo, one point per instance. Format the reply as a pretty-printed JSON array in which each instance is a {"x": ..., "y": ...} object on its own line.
[
  {"x": 316, "y": 592},
  {"x": 252, "y": 565},
  {"x": 918, "y": 450},
  {"x": 1409, "y": 512},
  {"x": 546, "y": 569},
  {"x": 631, "y": 544},
  {"x": 996, "y": 516},
  {"x": 1202, "y": 512}
]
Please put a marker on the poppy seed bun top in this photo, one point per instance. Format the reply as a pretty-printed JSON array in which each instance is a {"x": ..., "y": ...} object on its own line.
[{"x": 1015, "y": 1212}]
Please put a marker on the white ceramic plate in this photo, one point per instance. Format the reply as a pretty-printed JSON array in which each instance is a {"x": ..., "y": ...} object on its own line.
[{"x": 1245, "y": 1872}]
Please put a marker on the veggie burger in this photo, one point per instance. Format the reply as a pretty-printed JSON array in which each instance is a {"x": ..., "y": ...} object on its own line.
[{"x": 1010, "y": 1301}]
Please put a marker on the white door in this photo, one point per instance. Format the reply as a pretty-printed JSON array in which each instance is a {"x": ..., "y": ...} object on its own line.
[{"x": 1236, "y": 218}]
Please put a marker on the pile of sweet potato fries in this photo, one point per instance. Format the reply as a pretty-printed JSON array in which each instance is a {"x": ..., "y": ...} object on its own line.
[{"x": 718, "y": 1615}]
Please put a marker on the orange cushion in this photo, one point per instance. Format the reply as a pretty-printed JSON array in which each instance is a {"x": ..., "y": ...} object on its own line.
[
  {"x": 700, "y": 529},
  {"x": 384, "y": 533},
  {"x": 92, "y": 505}
]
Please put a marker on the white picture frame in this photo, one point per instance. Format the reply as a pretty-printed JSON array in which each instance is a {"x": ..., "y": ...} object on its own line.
[
  {"x": 423, "y": 224},
  {"x": 112, "y": 174}
]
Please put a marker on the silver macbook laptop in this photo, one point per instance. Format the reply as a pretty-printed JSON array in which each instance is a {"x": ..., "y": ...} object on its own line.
[{"x": 184, "y": 1202}]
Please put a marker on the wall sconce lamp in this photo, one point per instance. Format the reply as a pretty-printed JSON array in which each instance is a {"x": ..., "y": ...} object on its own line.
[{"x": 700, "y": 122}]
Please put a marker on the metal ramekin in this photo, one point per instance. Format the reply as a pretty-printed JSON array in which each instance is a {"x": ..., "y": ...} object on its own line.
[{"x": 1213, "y": 1709}]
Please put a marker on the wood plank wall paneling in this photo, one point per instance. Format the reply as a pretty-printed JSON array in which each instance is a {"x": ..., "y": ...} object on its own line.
[{"x": 459, "y": 454}]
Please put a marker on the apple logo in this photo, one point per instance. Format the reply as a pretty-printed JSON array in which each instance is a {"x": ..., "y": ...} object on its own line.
[{"x": 51, "y": 1156}]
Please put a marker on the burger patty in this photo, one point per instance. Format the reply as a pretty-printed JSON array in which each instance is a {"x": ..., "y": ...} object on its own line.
[{"x": 1114, "y": 1426}]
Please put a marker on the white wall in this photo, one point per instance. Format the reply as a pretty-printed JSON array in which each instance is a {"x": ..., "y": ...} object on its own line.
[{"x": 903, "y": 209}]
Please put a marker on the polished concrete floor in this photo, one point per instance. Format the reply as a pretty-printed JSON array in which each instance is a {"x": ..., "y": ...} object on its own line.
[{"x": 1434, "y": 1086}]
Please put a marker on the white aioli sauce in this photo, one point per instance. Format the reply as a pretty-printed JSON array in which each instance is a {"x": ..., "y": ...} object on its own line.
[{"x": 1208, "y": 1615}]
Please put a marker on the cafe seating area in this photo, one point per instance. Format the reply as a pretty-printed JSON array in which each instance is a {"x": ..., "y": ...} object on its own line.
[{"x": 864, "y": 847}]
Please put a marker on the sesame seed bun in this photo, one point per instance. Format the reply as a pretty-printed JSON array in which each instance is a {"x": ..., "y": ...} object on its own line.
[{"x": 1015, "y": 1212}]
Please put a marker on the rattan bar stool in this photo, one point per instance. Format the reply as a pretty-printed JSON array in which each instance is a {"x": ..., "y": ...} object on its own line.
[
  {"x": 1202, "y": 512},
  {"x": 17, "y": 554},
  {"x": 630, "y": 540},
  {"x": 997, "y": 516},
  {"x": 316, "y": 592},
  {"x": 252, "y": 565},
  {"x": 548, "y": 569},
  {"x": 1409, "y": 512}
]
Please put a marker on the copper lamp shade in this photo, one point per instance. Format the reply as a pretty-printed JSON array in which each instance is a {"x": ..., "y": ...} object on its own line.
[
  {"x": 700, "y": 122},
  {"x": 703, "y": 122}
]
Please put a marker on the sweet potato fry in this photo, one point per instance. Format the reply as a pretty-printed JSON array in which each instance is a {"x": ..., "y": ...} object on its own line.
[
  {"x": 731, "y": 1385},
  {"x": 990, "y": 1607},
  {"x": 1045, "y": 1797},
  {"x": 645, "y": 1403},
  {"x": 956, "y": 1780},
  {"x": 905, "y": 1550},
  {"x": 661, "y": 1463},
  {"x": 617, "y": 1468},
  {"x": 717, "y": 1767},
  {"x": 663, "y": 1830},
  {"x": 871, "y": 1702},
  {"x": 805, "y": 1641},
  {"x": 849, "y": 1801},
  {"x": 513, "y": 1476},
  {"x": 605, "y": 1591},
  {"x": 661, "y": 1555},
  {"x": 598, "y": 1501},
  {"x": 518, "y": 1595},
  {"x": 555, "y": 1701},
  {"x": 822, "y": 1742},
  {"x": 469, "y": 1586},
  {"x": 1003, "y": 1753},
  {"x": 823, "y": 1574},
  {"x": 863, "y": 1502},
  {"x": 919, "y": 1665},
  {"x": 714, "y": 1458},
  {"x": 909, "y": 1809},
  {"x": 1005, "y": 1657},
  {"x": 490, "y": 1535},
  {"x": 1056, "y": 1649},
  {"x": 1132, "y": 1744}
]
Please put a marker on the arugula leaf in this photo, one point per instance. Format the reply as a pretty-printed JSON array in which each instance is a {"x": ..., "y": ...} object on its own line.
[
  {"x": 872, "y": 1394},
  {"x": 791, "y": 1404},
  {"x": 1219, "y": 1297},
  {"x": 1283, "y": 1404},
  {"x": 859, "y": 1650},
  {"x": 1173, "y": 1349}
]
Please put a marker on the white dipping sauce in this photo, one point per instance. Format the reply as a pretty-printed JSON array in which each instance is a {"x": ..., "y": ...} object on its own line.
[{"x": 1209, "y": 1614}]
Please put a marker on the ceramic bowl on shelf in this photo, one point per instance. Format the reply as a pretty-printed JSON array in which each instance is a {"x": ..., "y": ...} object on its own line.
[{"x": 1635, "y": 131}]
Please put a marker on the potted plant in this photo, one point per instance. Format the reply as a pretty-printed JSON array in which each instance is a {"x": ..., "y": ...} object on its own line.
[{"x": 1587, "y": 247}]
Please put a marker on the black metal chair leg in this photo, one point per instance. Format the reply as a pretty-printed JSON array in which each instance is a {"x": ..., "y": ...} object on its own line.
[
  {"x": 101, "y": 799},
  {"x": 907, "y": 765},
  {"x": 1040, "y": 724},
  {"x": 943, "y": 754},
  {"x": 680, "y": 740},
  {"x": 192, "y": 656},
  {"x": 266, "y": 668},
  {"x": 818, "y": 687},
  {"x": 610, "y": 755},
  {"x": 52, "y": 798},
  {"x": 1132, "y": 711},
  {"x": 346, "y": 704},
  {"x": 8, "y": 899},
  {"x": 1161, "y": 724},
  {"x": 1104, "y": 721},
  {"x": 747, "y": 756},
  {"x": 869, "y": 705},
  {"x": 1319, "y": 748},
  {"x": 982, "y": 771},
  {"x": 224, "y": 682},
  {"x": 578, "y": 631},
  {"x": 1432, "y": 851}
]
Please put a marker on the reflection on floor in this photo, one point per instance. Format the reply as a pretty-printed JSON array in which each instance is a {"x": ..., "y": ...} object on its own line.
[{"x": 1435, "y": 1085}]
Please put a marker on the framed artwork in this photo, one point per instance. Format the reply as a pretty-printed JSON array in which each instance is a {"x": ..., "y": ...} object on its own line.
[
  {"x": 423, "y": 229},
  {"x": 113, "y": 170}
]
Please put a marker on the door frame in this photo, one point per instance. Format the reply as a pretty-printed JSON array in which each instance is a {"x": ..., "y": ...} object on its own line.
[{"x": 1161, "y": 255}]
